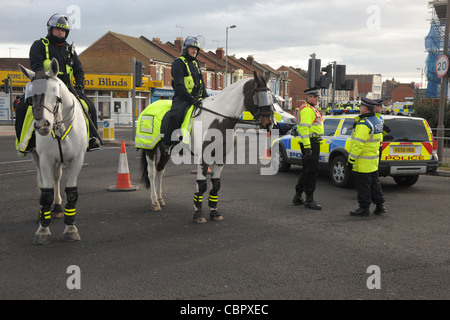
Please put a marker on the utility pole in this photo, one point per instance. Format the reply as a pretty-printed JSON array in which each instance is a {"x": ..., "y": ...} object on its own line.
[
  {"x": 334, "y": 85},
  {"x": 443, "y": 99},
  {"x": 133, "y": 101}
]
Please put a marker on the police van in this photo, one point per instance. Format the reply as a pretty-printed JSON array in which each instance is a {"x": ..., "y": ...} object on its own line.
[
  {"x": 402, "y": 109},
  {"x": 408, "y": 151}
]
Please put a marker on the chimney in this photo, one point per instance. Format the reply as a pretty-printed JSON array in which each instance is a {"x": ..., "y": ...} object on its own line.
[
  {"x": 250, "y": 60},
  {"x": 220, "y": 53},
  {"x": 178, "y": 43},
  {"x": 156, "y": 40}
]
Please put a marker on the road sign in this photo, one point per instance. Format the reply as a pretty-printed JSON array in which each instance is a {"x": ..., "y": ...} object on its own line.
[{"x": 442, "y": 65}]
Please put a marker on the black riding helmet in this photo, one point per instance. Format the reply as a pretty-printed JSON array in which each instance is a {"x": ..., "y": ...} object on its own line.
[
  {"x": 58, "y": 20},
  {"x": 190, "y": 41}
]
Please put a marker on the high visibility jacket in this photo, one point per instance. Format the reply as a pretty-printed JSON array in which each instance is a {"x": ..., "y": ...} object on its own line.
[
  {"x": 47, "y": 61},
  {"x": 365, "y": 144},
  {"x": 309, "y": 124}
]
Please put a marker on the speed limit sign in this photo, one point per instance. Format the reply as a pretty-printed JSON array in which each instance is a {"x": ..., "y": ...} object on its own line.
[{"x": 442, "y": 65}]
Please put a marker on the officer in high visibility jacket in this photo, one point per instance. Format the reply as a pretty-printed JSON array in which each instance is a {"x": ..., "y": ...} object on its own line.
[
  {"x": 188, "y": 85},
  {"x": 310, "y": 128},
  {"x": 363, "y": 159},
  {"x": 54, "y": 45}
]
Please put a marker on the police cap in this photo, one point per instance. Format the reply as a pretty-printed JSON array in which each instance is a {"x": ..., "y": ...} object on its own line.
[
  {"x": 313, "y": 91},
  {"x": 369, "y": 103},
  {"x": 379, "y": 102}
]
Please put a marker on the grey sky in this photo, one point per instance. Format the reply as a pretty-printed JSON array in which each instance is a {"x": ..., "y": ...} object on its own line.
[{"x": 368, "y": 36}]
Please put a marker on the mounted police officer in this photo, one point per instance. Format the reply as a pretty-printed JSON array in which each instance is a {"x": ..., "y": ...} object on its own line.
[
  {"x": 189, "y": 87},
  {"x": 54, "y": 45},
  {"x": 363, "y": 159},
  {"x": 310, "y": 128}
]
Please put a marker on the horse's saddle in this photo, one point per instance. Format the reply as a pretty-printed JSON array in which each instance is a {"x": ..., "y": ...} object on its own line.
[{"x": 153, "y": 121}]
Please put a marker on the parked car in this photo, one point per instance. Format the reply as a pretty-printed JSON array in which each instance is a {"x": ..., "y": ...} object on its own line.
[{"x": 408, "y": 151}]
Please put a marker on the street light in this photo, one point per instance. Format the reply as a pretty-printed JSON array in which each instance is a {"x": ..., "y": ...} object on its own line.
[{"x": 226, "y": 54}]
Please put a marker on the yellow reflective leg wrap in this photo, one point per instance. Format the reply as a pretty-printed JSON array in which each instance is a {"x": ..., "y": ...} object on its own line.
[{"x": 212, "y": 201}]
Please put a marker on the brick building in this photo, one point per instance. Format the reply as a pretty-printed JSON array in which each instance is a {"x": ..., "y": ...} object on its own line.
[{"x": 402, "y": 92}]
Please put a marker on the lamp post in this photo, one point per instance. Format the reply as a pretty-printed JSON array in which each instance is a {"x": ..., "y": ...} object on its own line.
[{"x": 226, "y": 54}]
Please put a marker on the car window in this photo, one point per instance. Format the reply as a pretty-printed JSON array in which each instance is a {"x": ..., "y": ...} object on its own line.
[
  {"x": 406, "y": 129},
  {"x": 330, "y": 126},
  {"x": 347, "y": 127}
]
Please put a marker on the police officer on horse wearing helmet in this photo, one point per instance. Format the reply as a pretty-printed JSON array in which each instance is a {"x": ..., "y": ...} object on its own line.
[
  {"x": 54, "y": 45},
  {"x": 188, "y": 85}
]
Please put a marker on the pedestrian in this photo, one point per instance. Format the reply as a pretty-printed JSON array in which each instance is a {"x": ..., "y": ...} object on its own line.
[
  {"x": 310, "y": 128},
  {"x": 363, "y": 159},
  {"x": 42, "y": 51},
  {"x": 188, "y": 85}
]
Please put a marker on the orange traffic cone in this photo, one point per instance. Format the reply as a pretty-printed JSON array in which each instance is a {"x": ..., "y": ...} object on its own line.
[
  {"x": 123, "y": 176},
  {"x": 267, "y": 151}
]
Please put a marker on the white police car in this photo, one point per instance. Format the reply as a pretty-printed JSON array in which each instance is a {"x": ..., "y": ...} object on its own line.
[{"x": 408, "y": 151}]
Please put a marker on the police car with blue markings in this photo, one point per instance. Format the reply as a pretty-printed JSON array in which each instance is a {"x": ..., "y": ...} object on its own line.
[{"x": 408, "y": 151}]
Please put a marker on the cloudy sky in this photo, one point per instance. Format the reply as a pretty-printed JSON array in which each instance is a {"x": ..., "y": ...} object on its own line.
[{"x": 368, "y": 36}]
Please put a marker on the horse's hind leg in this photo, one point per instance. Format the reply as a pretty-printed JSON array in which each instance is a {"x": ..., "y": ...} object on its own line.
[
  {"x": 214, "y": 214},
  {"x": 57, "y": 208},
  {"x": 151, "y": 169}
]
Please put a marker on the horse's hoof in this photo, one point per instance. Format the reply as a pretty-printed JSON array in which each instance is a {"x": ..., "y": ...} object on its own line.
[
  {"x": 156, "y": 207},
  {"x": 161, "y": 202},
  {"x": 42, "y": 236},
  {"x": 58, "y": 211},
  {"x": 71, "y": 234},
  {"x": 198, "y": 217},
  {"x": 215, "y": 216}
]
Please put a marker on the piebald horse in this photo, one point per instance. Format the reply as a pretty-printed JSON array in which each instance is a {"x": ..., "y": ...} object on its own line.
[
  {"x": 218, "y": 114},
  {"x": 62, "y": 139}
]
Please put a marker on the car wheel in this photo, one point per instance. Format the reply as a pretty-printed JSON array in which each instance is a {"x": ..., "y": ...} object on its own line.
[
  {"x": 283, "y": 164},
  {"x": 339, "y": 173},
  {"x": 406, "y": 181}
]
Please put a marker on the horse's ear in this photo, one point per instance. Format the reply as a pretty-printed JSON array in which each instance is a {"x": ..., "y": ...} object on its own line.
[
  {"x": 54, "y": 68},
  {"x": 26, "y": 72}
]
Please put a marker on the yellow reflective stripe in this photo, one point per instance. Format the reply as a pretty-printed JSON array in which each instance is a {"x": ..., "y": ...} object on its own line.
[
  {"x": 69, "y": 212},
  {"x": 67, "y": 132},
  {"x": 47, "y": 214},
  {"x": 213, "y": 198}
]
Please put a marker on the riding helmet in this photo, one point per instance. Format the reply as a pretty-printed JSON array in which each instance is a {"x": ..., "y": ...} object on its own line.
[
  {"x": 59, "y": 20},
  {"x": 190, "y": 41}
]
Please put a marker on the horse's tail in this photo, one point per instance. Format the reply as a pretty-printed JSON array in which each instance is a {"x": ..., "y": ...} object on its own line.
[{"x": 144, "y": 177}]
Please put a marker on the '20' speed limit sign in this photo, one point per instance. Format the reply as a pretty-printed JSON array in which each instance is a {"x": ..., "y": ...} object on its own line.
[{"x": 442, "y": 65}]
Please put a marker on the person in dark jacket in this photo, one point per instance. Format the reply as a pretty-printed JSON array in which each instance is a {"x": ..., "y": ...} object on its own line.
[
  {"x": 188, "y": 85},
  {"x": 54, "y": 45}
]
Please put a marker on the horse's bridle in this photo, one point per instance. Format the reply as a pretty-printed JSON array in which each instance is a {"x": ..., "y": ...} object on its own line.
[
  {"x": 38, "y": 106},
  {"x": 262, "y": 99}
]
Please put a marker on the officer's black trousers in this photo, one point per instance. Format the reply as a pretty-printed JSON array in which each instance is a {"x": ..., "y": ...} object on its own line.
[
  {"x": 175, "y": 119},
  {"x": 308, "y": 176},
  {"x": 368, "y": 187}
]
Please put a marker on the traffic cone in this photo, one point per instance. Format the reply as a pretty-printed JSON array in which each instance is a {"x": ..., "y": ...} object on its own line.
[
  {"x": 123, "y": 176},
  {"x": 267, "y": 151}
]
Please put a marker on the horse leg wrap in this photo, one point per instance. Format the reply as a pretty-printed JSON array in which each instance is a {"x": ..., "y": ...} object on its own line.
[
  {"x": 213, "y": 194},
  {"x": 46, "y": 201},
  {"x": 69, "y": 210},
  {"x": 198, "y": 196}
]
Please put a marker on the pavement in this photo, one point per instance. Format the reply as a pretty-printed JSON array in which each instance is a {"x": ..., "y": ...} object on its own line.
[{"x": 125, "y": 133}]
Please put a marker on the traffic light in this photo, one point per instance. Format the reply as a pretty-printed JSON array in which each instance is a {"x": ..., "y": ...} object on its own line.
[
  {"x": 6, "y": 85},
  {"x": 138, "y": 73},
  {"x": 313, "y": 79},
  {"x": 340, "y": 77},
  {"x": 326, "y": 79}
]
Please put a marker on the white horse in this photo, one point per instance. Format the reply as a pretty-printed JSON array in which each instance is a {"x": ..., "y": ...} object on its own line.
[
  {"x": 218, "y": 114},
  {"x": 61, "y": 139}
]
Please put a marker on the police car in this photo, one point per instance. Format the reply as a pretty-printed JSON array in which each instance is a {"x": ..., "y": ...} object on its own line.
[{"x": 408, "y": 151}]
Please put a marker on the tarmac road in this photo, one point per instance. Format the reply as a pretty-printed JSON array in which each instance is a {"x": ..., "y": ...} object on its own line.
[{"x": 264, "y": 249}]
